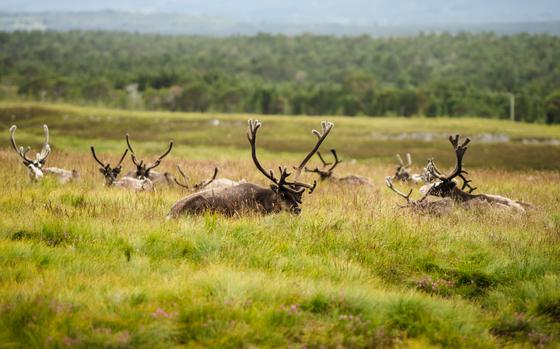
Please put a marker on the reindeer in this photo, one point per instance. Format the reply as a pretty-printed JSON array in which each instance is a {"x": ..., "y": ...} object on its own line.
[
  {"x": 212, "y": 183},
  {"x": 36, "y": 167},
  {"x": 145, "y": 171},
  {"x": 403, "y": 174},
  {"x": 112, "y": 173},
  {"x": 64, "y": 176},
  {"x": 433, "y": 207},
  {"x": 446, "y": 187},
  {"x": 197, "y": 186},
  {"x": 282, "y": 195},
  {"x": 327, "y": 173}
]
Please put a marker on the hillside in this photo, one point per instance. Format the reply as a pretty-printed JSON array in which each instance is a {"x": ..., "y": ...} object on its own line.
[
  {"x": 427, "y": 75},
  {"x": 498, "y": 144}
]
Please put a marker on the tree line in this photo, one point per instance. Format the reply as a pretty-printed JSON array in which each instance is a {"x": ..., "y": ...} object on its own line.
[{"x": 430, "y": 75}]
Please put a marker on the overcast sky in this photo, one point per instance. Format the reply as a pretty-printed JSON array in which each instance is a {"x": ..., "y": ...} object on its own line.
[{"x": 318, "y": 11}]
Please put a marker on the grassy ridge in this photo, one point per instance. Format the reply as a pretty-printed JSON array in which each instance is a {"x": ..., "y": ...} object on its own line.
[
  {"x": 371, "y": 139},
  {"x": 87, "y": 266}
]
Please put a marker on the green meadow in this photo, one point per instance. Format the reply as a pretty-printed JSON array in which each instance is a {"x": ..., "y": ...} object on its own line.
[{"x": 86, "y": 266}]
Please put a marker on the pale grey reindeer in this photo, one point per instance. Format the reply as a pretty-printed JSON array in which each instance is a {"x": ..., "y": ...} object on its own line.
[
  {"x": 211, "y": 183},
  {"x": 326, "y": 172},
  {"x": 282, "y": 195},
  {"x": 36, "y": 168},
  {"x": 198, "y": 186},
  {"x": 422, "y": 205},
  {"x": 403, "y": 173},
  {"x": 144, "y": 170},
  {"x": 446, "y": 186},
  {"x": 111, "y": 175}
]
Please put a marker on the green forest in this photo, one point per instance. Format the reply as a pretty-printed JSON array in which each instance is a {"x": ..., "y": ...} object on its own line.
[{"x": 425, "y": 75}]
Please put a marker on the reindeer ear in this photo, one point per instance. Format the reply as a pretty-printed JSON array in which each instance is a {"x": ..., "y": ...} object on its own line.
[{"x": 274, "y": 188}]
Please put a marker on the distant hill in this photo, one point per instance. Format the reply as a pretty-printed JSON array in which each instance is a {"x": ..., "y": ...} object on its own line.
[
  {"x": 182, "y": 23},
  {"x": 382, "y": 12}
]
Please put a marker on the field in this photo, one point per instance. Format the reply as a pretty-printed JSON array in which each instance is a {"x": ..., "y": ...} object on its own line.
[{"x": 83, "y": 265}]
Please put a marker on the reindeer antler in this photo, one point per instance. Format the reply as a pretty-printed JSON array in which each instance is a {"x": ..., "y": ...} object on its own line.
[
  {"x": 41, "y": 157},
  {"x": 326, "y": 127},
  {"x": 328, "y": 172},
  {"x": 108, "y": 165},
  {"x": 19, "y": 150},
  {"x": 128, "y": 143},
  {"x": 389, "y": 183},
  {"x": 46, "y": 150},
  {"x": 408, "y": 161},
  {"x": 140, "y": 164},
  {"x": 185, "y": 178},
  {"x": 293, "y": 187},
  {"x": 399, "y": 159},
  {"x": 132, "y": 154},
  {"x": 336, "y": 160},
  {"x": 198, "y": 185},
  {"x": 458, "y": 171},
  {"x": 325, "y": 164},
  {"x": 252, "y": 130},
  {"x": 119, "y": 164},
  {"x": 409, "y": 201},
  {"x": 97, "y": 159},
  {"x": 158, "y": 161},
  {"x": 207, "y": 182}
]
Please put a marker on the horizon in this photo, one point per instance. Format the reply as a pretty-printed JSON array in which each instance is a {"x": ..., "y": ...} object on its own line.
[{"x": 351, "y": 13}]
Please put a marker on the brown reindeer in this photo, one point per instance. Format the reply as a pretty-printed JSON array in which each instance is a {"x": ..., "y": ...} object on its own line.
[
  {"x": 111, "y": 175},
  {"x": 36, "y": 167},
  {"x": 282, "y": 195},
  {"x": 143, "y": 170},
  {"x": 423, "y": 205},
  {"x": 447, "y": 187},
  {"x": 403, "y": 173},
  {"x": 326, "y": 173}
]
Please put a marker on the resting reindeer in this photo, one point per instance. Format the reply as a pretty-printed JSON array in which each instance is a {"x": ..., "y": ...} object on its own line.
[
  {"x": 144, "y": 170},
  {"x": 423, "y": 205},
  {"x": 112, "y": 173},
  {"x": 327, "y": 173},
  {"x": 281, "y": 196},
  {"x": 212, "y": 183},
  {"x": 36, "y": 167},
  {"x": 197, "y": 186},
  {"x": 403, "y": 174},
  {"x": 446, "y": 187}
]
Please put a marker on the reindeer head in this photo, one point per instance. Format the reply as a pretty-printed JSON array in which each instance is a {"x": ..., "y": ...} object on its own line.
[
  {"x": 402, "y": 172},
  {"x": 142, "y": 169},
  {"x": 110, "y": 173},
  {"x": 288, "y": 195},
  {"x": 325, "y": 172},
  {"x": 447, "y": 183},
  {"x": 35, "y": 167}
]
